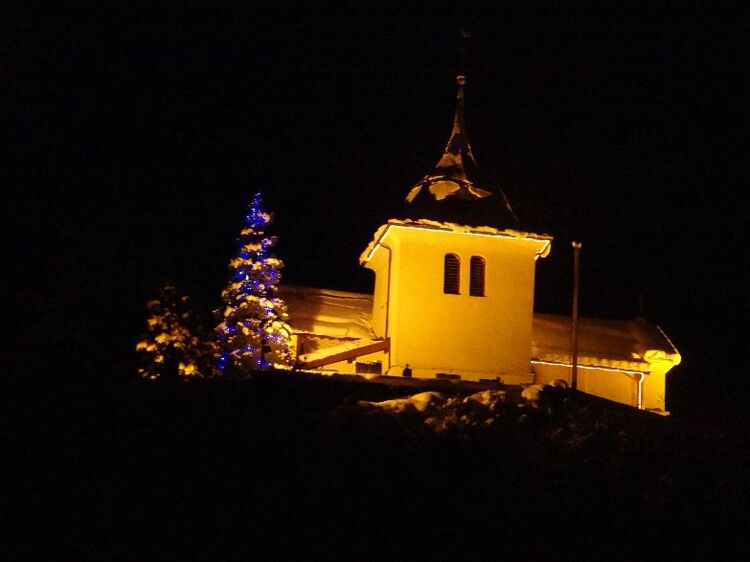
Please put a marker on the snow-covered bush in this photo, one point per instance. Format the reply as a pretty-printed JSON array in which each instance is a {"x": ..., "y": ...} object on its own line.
[{"x": 172, "y": 347}]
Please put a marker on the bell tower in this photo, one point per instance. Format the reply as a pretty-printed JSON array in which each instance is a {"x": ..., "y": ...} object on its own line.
[{"x": 454, "y": 278}]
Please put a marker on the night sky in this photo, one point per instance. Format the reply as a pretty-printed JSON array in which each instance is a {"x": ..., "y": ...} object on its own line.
[{"x": 136, "y": 136}]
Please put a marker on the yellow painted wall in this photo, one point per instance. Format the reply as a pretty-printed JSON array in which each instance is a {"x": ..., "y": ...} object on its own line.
[
  {"x": 613, "y": 385},
  {"x": 654, "y": 388},
  {"x": 380, "y": 263},
  {"x": 475, "y": 337}
]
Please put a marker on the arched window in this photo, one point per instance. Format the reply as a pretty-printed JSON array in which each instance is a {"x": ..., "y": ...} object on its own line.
[
  {"x": 452, "y": 274},
  {"x": 476, "y": 276}
]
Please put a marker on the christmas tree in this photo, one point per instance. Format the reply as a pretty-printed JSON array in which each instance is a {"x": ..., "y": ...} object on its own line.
[
  {"x": 253, "y": 333},
  {"x": 172, "y": 348}
]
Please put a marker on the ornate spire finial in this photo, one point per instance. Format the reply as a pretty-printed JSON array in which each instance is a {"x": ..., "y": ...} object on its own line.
[
  {"x": 456, "y": 170},
  {"x": 456, "y": 177}
]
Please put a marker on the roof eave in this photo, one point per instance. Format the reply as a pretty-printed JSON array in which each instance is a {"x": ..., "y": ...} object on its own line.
[{"x": 544, "y": 241}]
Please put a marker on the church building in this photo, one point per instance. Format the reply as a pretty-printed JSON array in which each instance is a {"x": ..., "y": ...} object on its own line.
[{"x": 454, "y": 300}]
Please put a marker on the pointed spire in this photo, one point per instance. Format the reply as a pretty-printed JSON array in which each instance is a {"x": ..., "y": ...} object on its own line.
[{"x": 456, "y": 173}]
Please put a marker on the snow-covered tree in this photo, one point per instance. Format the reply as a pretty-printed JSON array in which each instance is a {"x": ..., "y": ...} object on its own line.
[
  {"x": 253, "y": 333},
  {"x": 172, "y": 348}
]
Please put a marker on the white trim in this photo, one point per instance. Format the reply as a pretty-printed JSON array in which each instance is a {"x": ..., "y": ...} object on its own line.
[
  {"x": 540, "y": 253},
  {"x": 589, "y": 367}
]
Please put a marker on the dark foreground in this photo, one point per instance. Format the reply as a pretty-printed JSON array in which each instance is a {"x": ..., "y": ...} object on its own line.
[{"x": 285, "y": 467}]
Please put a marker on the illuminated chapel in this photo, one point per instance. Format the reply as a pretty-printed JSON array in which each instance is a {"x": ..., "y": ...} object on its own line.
[{"x": 454, "y": 300}]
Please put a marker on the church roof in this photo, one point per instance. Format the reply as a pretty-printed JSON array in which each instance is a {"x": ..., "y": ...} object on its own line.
[
  {"x": 617, "y": 344},
  {"x": 329, "y": 313},
  {"x": 456, "y": 190},
  {"x": 622, "y": 344}
]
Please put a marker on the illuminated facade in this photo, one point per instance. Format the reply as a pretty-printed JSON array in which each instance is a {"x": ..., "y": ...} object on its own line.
[{"x": 454, "y": 299}]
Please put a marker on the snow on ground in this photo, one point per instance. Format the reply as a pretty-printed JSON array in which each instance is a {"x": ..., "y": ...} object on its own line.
[
  {"x": 440, "y": 413},
  {"x": 419, "y": 402},
  {"x": 532, "y": 393}
]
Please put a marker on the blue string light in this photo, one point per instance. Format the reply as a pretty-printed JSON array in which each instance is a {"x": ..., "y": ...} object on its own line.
[{"x": 249, "y": 298}]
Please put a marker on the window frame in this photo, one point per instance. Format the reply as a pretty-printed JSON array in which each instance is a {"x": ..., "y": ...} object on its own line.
[
  {"x": 452, "y": 280},
  {"x": 477, "y": 276}
]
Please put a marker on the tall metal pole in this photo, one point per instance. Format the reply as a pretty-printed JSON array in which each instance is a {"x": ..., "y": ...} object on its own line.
[{"x": 574, "y": 331}]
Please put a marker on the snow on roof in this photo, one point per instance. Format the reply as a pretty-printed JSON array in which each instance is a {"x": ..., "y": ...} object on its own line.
[
  {"x": 452, "y": 227},
  {"x": 325, "y": 312},
  {"x": 363, "y": 345},
  {"x": 625, "y": 344},
  {"x": 617, "y": 343}
]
